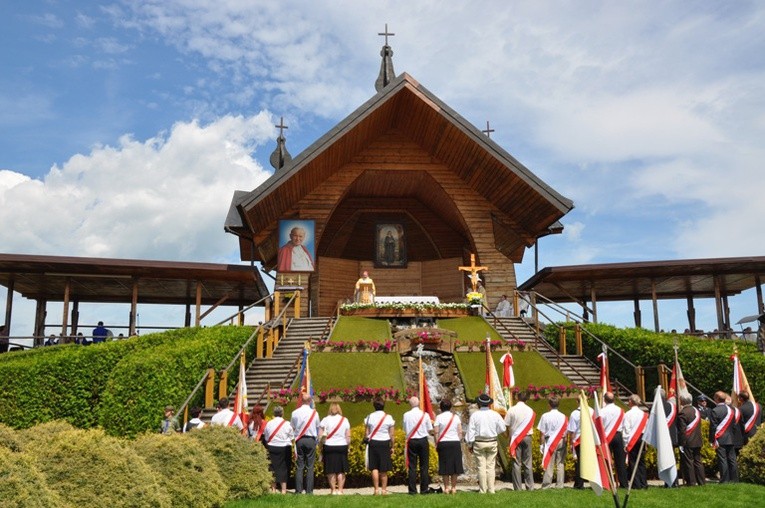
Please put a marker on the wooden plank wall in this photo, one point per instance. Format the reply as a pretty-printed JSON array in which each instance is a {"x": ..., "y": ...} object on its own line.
[
  {"x": 336, "y": 281},
  {"x": 395, "y": 281},
  {"x": 441, "y": 278}
]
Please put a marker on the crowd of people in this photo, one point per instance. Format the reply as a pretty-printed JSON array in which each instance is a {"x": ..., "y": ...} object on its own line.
[{"x": 304, "y": 435}]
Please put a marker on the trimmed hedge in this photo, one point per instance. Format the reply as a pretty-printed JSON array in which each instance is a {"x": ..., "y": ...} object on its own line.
[
  {"x": 22, "y": 485},
  {"x": 121, "y": 385},
  {"x": 751, "y": 460},
  {"x": 705, "y": 362}
]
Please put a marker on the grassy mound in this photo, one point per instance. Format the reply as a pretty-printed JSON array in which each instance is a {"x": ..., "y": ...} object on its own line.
[
  {"x": 469, "y": 329},
  {"x": 352, "y": 328}
]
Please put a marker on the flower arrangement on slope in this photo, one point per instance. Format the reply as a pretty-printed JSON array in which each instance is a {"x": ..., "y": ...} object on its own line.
[{"x": 401, "y": 306}]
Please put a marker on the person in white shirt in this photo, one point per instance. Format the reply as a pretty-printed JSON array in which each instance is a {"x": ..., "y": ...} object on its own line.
[
  {"x": 612, "y": 417},
  {"x": 520, "y": 426},
  {"x": 379, "y": 441},
  {"x": 633, "y": 427},
  {"x": 504, "y": 308},
  {"x": 417, "y": 428},
  {"x": 195, "y": 422},
  {"x": 305, "y": 421},
  {"x": 278, "y": 435},
  {"x": 448, "y": 432},
  {"x": 483, "y": 428},
  {"x": 553, "y": 426},
  {"x": 225, "y": 416},
  {"x": 335, "y": 431}
]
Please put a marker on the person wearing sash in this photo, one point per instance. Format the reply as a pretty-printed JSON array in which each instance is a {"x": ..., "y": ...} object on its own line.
[
  {"x": 305, "y": 421},
  {"x": 335, "y": 431},
  {"x": 553, "y": 426},
  {"x": 689, "y": 438},
  {"x": 278, "y": 435},
  {"x": 635, "y": 420},
  {"x": 520, "y": 425},
  {"x": 257, "y": 424},
  {"x": 448, "y": 432},
  {"x": 225, "y": 417},
  {"x": 379, "y": 445},
  {"x": 721, "y": 420},
  {"x": 751, "y": 416},
  {"x": 483, "y": 428},
  {"x": 417, "y": 428},
  {"x": 612, "y": 416},
  {"x": 574, "y": 431}
]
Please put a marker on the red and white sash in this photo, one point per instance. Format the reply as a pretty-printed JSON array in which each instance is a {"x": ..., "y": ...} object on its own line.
[
  {"x": 409, "y": 438},
  {"x": 691, "y": 428},
  {"x": 614, "y": 427},
  {"x": 306, "y": 426},
  {"x": 637, "y": 432},
  {"x": 276, "y": 431},
  {"x": 340, "y": 424},
  {"x": 749, "y": 424},
  {"x": 448, "y": 425},
  {"x": 672, "y": 414},
  {"x": 521, "y": 432},
  {"x": 552, "y": 444},
  {"x": 722, "y": 427}
]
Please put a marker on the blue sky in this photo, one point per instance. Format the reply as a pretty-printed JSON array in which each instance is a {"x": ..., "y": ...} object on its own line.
[{"x": 126, "y": 126}]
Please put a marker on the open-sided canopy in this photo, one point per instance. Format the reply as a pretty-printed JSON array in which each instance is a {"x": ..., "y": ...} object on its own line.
[{"x": 112, "y": 280}]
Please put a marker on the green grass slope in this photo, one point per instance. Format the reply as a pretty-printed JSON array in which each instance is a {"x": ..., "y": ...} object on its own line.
[
  {"x": 353, "y": 328},
  {"x": 469, "y": 329}
]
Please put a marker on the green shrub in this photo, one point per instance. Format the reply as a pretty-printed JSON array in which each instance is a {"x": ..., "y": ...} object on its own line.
[
  {"x": 90, "y": 469},
  {"x": 9, "y": 439},
  {"x": 243, "y": 463},
  {"x": 42, "y": 433},
  {"x": 22, "y": 485},
  {"x": 186, "y": 472},
  {"x": 751, "y": 460}
]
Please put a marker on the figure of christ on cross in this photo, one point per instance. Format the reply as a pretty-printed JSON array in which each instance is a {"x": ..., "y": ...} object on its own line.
[{"x": 473, "y": 269}]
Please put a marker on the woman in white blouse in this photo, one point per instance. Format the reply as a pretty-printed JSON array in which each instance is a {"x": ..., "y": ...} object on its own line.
[
  {"x": 448, "y": 433},
  {"x": 278, "y": 435},
  {"x": 335, "y": 430},
  {"x": 379, "y": 441}
]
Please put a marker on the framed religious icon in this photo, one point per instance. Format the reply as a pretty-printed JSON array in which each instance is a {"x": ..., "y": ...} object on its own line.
[
  {"x": 390, "y": 246},
  {"x": 297, "y": 246}
]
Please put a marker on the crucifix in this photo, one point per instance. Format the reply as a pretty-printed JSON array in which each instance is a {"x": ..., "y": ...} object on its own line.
[
  {"x": 386, "y": 34},
  {"x": 281, "y": 127},
  {"x": 473, "y": 269},
  {"x": 488, "y": 130}
]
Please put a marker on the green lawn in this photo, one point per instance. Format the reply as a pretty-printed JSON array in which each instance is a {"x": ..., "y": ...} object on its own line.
[
  {"x": 348, "y": 370},
  {"x": 352, "y": 328},
  {"x": 469, "y": 329},
  {"x": 712, "y": 495}
]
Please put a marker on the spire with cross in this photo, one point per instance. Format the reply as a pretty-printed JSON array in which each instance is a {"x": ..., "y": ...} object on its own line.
[
  {"x": 280, "y": 156},
  {"x": 387, "y": 74}
]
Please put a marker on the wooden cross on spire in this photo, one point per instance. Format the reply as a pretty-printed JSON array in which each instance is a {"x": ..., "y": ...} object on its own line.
[
  {"x": 281, "y": 127},
  {"x": 386, "y": 34},
  {"x": 473, "y": 269}
]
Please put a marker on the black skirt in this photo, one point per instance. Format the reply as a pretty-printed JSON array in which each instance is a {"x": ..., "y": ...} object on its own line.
[
  {"x": 335, "y": 459},
  {"x": 379, "y": 456},
  {"x": 450, "y": 457},
  {"x": 281, "y": 462}
]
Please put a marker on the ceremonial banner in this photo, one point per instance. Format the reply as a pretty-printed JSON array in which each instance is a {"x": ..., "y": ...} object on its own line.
[
  {"x": 508, "y": 378},
  {"x": 677, "y": 385},
  {"x": 492, "y": 387},
  {"x": 657, "y": 435},
  {"x": 306, "y": 386},
  {"x": 589, "y": 463},
  {"x": 240, "y": 400},
  {"x": 605, "y": 380},
  {"x": 426, "y": 405},
  {"x": 740, "y": 383}
]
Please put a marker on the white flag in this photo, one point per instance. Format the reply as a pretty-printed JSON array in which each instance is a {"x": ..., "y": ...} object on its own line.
[{"x": 657, "y": 435}]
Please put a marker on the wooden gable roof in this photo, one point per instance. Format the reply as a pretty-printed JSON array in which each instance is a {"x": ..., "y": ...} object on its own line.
[{"x": 527, "y": 207}]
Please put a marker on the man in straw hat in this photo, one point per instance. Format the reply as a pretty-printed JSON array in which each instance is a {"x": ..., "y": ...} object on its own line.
[{"x": 483, "y": 428}]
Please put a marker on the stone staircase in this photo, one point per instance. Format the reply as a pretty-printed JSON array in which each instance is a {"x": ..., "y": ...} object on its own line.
[
  {"x": 265, "y": 371},
  {"x": 578, "y": 369}
]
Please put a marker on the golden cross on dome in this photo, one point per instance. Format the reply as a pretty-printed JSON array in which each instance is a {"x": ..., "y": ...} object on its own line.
[{"x": 473, "y": 269}]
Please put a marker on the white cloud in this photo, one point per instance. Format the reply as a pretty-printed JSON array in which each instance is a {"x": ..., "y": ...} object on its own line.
[{"x": 163, "y": 198}]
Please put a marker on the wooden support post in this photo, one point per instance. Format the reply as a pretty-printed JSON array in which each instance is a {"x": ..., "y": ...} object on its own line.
[
  {"x": 594, "y": 299},
  {"x": 210, "y": 388},
  {"x": 75, "y": 317},
  {"x": 663, "y": 381},
  {"x": 578, "y": 335},
  {"x": 562, "y": 341},
  {"x": 691, "y": 314},
  {"x": 40, "y": 315},
  {"x": 133, "y": 309},
  {"x": 267, "y": 310},
  {"x": 65, "y": 317},
  {"x": 637, "y": 315},
  {"x": 726, "y": 317},
  {"x": 240, "y": 316},
  {"x": 270, "y": 343},
  {"x": 223, "y": 385},
  {"x": 297, "y": 304},
  {"x": 198, "y": 319},
  {"x": 718, "y": 305},
  {"x": 758, "y": 289},
  {"x": 9, "y": 306},
  {"x": 516, "y": 310},
  {"x": 640, "y": 378},
  {"x": 187, "y": 316},
  {"x": 259, "y": 344},
  {"x": 655, "y": 301},
  {"x": 277, "y": 302}
]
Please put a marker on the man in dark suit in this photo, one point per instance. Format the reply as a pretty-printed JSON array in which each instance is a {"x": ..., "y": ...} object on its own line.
[
  {"x": 722, "y": 418},
  {"x": 689, "y": 438},
  {"x": 751, "y": 416}
]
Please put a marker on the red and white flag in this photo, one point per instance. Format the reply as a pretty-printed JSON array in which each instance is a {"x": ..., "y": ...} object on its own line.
[
  {"x": 508, "y": 377},
  {"x": 240, "y": 400},
  {"x": 677, "y": 386},
  {"x": 605, "y": 381},
  {"x": 741, "y": 384}
]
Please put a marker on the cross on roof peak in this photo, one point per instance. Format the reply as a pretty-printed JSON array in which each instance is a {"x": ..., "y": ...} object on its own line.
[
  {"x": 386, "y": 34},
  {"x": 281, "y": 127},
  {"x": 488, "y": 130}
]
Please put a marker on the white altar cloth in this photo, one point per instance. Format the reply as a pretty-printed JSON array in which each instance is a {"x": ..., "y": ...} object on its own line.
[{"x": 406, "y": 299}]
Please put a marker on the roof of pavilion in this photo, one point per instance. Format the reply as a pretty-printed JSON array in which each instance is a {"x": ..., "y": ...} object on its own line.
[
  {"x": 530, "y": 207},
  {"x": 629, "y": 281},
  {"x": 102, "y": 280}
]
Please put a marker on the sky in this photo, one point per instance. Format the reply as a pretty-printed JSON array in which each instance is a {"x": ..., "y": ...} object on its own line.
[{"x": 125, "y": 126}]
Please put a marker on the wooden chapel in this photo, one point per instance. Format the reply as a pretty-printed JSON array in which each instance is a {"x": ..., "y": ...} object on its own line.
[{"x": 403, "y": 163}]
